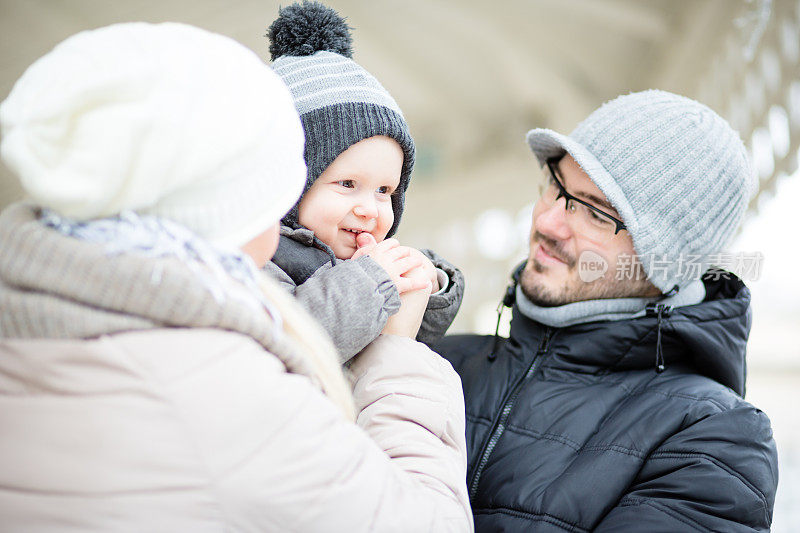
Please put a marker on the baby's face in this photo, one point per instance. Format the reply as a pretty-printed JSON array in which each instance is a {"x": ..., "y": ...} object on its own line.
[{"x": 353, "y": 195}]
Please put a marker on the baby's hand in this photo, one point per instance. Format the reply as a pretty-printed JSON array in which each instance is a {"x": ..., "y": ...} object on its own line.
[
  {"x": 428, "y": 268},
  {"x": 407, "y": 320},
  {"x": 396, "y": 260}
]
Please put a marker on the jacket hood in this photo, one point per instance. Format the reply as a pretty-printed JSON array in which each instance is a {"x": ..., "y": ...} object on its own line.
[{"x": 709, "y": 337}]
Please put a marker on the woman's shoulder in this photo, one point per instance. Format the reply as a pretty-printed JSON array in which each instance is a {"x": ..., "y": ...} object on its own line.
[
  {"x": 170, "y": 353},
  {"x": 190, "y": 417},
  {"x": 129, "y": 360}
]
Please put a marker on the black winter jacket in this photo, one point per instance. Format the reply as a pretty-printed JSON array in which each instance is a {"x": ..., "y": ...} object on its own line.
[{"x": 574, "y": 430}]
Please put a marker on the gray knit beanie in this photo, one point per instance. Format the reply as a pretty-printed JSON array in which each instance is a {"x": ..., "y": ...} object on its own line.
[
  {"x": 676, "y": 172},
  {"x": 339, "y": 102}
]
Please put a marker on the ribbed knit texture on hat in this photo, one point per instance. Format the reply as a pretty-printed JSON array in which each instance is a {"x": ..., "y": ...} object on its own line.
[
  {"x": 676, "y": 172},
  {"x": 341, "y": 104},
  {"x": 164, "y": 119}
]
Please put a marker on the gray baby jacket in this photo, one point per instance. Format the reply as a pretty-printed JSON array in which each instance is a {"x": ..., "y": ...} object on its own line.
[{"x": 353, "y": 299}]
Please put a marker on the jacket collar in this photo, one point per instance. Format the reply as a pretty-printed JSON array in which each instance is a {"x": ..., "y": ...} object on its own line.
[
  {"x": 300, "y": 253},
  {"x": 710, "y": 337}
]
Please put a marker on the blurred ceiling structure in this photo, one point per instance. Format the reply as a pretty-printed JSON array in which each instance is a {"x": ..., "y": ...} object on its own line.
[{"x": 472, "y": 77}]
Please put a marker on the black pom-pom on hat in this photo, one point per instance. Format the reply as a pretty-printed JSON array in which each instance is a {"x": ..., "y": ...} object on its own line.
[{"x": 304, "y": 28}]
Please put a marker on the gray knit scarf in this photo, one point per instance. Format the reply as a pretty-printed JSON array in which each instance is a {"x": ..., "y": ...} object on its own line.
[
  {"x": 604, "y": 309},
  {"x": 55, "y": 284},
  {"x": 149, "y": 236}
]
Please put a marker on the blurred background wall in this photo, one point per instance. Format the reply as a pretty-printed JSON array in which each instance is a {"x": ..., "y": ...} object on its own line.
[{"x": 472, "y": 77}]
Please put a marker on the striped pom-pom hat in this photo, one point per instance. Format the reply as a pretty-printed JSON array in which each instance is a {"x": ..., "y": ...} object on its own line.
[
  {"x": 676, "y": 172},
  {"x": 339, "y": 102}
]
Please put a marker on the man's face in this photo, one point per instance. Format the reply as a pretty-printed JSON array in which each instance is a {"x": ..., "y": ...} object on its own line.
[
  {"x": 354, "y": 195},
  {"x": 551, "y": 276}
]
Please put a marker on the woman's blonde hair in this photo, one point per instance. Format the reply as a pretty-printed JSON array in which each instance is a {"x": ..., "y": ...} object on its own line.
[{"x": 313, "y": 342}]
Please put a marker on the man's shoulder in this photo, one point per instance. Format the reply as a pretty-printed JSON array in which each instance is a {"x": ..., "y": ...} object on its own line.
[
  {"x": 459, "y": 348},
  {"x": 465, "y": 343},
  {"x": 710, "y": 418},
  {"x": 689, "y": 387},
  {"x": 719, "y": 428}
]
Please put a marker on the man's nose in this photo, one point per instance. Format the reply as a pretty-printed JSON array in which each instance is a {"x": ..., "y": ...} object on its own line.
[
  {"x": 551, "y": 221},
  {"x": 366, "y": 207}
]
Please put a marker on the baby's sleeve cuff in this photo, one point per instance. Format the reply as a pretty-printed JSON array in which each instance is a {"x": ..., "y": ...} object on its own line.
[{"x": 444, "y": 281}]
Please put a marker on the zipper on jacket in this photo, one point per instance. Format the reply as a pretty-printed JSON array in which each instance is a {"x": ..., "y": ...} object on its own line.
[{"x": 499, "y": 426}]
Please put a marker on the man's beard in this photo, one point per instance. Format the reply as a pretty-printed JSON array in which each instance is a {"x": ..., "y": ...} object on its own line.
[{"x": 574, "y": 289}]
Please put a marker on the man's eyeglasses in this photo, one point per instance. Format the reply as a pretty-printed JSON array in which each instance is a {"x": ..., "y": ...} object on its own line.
[{"x": 591, "y": 221}]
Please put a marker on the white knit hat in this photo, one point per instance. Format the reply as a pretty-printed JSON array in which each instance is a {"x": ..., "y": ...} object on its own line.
[
  {"x": 163, "y": 119},
  {"x": 676, "y": 172}
]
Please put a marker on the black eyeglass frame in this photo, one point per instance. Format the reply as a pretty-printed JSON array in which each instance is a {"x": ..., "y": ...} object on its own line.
[{"x": 552, "y": 164}]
